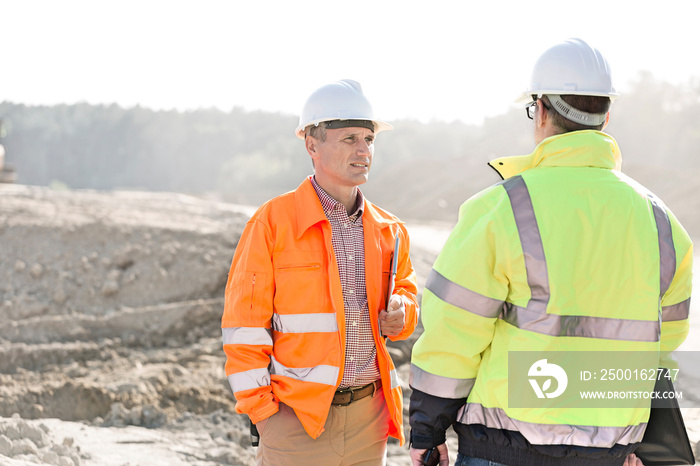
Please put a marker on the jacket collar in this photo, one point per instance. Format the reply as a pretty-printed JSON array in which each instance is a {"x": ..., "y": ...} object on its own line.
[
  {"x": 310, "y": 212},
  {"x": 308, "y": 207},
  {"x": 586, "y": 148}
]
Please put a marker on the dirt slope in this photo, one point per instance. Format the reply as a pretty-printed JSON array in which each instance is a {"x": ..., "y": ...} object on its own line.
[{"x": 110, "y": 307}]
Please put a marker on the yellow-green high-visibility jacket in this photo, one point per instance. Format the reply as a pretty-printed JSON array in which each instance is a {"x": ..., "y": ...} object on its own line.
[{"x": 566, "y": 254}]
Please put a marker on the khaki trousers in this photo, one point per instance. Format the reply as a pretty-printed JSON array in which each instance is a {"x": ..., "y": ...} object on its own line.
[{"x": 354, "y": 435}]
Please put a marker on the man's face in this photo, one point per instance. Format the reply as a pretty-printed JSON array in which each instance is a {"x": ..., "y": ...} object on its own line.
[{"x": 345, "y": 157}]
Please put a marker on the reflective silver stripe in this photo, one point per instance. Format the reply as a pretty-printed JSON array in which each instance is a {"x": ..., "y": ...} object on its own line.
[
  {"x": 436, "y": 385},
  {"x": 667, "y": 251},
  {"x": 246, "y": 336},
  {"x": 552, "y": 434},
  {"x": 327, "y": 375},
  {"x": 582, "y": 326},
  {"x": 535, "y": 318},
  {"x": 531, "y": 241},
  {"x": 304, "y": 323},
  {"x": 249, "y": 379},
  {"x": 462, "y": 297},
  {"x": 678, "y": 311},
  {"x": 394, "y": 378}
]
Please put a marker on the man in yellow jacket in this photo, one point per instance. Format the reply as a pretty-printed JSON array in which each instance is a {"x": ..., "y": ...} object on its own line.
[
  {"x": 566, "y": 260},
  {"x": 306, "y": 315}
]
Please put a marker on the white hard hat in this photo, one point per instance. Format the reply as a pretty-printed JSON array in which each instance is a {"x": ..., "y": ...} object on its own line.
[
  {"x": 570, "y": 67},
  {"x": 339, "y": 100}
]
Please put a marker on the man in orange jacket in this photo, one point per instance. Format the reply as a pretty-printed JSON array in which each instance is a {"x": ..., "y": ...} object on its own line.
[{"x": 306, "y": 315}]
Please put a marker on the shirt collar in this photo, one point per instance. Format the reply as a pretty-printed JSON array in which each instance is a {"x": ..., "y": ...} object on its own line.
[{"x": 329, "y": 204}]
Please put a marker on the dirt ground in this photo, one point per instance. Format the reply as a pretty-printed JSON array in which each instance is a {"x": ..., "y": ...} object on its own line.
[{"x": 110, "y": 340}]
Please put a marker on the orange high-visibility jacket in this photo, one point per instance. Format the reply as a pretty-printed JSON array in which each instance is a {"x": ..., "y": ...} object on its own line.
[{"x": 284, "y": 322}]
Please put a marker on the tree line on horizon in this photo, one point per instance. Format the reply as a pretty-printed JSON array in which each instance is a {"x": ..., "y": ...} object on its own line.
[{"x": 249, "y": 156}]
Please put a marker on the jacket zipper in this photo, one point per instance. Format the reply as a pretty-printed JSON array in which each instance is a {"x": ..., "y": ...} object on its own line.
[
  {"x": 252, "y": 293},
  {"x": 300, "y": 268}
]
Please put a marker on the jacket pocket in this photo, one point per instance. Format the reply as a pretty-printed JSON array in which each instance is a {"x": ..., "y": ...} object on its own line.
[
  {"x": 245, "y": 301},
  {"x": 301, "y": 281}
]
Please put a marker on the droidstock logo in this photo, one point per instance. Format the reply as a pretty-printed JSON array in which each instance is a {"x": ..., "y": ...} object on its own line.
[{"x": 541, "y": 369}]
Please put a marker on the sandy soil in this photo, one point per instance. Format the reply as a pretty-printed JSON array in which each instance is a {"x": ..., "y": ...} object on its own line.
[{"x": 110, "y": 341}]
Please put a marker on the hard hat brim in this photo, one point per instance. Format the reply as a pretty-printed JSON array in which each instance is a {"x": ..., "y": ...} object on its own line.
[
  {"x": 526, "y": 96},
  {"x": 379, "y": 126}
]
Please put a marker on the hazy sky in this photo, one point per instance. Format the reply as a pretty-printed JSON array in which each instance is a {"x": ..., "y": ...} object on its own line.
[{"x": 436, "y": 59}]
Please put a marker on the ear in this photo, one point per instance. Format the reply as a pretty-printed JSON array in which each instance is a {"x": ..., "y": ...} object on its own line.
[
  {"x": 542, "y": 114},
  {"x": 311, "y": 146},
  {"x": 607, "y": 120}
]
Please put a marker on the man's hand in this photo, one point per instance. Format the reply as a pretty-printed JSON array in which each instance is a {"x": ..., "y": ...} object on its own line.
[
  {"x": 632, "y": 460},
  {"x": 417, "y": 456},
  {"x": 393, "y": 320}
]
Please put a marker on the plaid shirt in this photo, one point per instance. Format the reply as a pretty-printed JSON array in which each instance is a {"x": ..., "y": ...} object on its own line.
[{"x": 361, "y": 365}]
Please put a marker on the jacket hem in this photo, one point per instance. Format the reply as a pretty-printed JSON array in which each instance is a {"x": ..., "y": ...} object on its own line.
[
  {"x": 510, "y": 447},
  {"x": 510, "y": 455}
]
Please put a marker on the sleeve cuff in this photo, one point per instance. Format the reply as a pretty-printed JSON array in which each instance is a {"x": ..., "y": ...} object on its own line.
[
  {"x": 260, "y": 414},
  {"x": 423, "y": 441}
]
